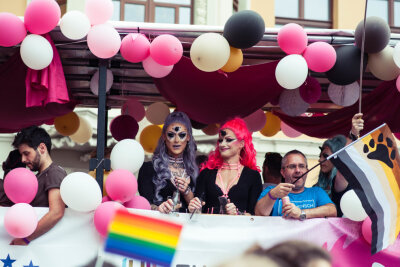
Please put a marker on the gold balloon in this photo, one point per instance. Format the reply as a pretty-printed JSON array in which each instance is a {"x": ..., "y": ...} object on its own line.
[
  {"x": 272, "y": 126},
  {"x": 211, "y": 129},
  {"x": 149, "y": 137},
  {"x": 235, "y": 60},
  {"x": 67, "y": 124},
  {"x": 105, "y": 174},
  {"x": 84, "y": 132}
]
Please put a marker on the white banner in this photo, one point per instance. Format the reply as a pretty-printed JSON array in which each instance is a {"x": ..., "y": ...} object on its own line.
[{"x": 205, "y": 240}]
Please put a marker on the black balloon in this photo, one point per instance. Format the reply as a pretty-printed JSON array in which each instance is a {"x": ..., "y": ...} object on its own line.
[
  {"x": 347, "y": 67},
  {"x": 197, "y": 125},
  {"x": 244, "y": 29},
  {"x": 377, "y": 34}
]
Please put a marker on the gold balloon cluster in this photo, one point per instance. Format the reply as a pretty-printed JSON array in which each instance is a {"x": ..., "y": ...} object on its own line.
[{"x": 76, "y": 127}]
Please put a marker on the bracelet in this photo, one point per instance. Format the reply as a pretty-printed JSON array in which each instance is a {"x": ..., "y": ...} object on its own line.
[
  {"x": 352, "y": 136},
  {"x": 187, "y": 191},
  {"x": 270, "y": 196},
  {"x": 26, "y": 240}
]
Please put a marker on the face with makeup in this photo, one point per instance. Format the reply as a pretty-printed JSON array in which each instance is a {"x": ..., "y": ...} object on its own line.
[
  {"x": 176, "y": 138},
  {"x": 228, "y": 144}
]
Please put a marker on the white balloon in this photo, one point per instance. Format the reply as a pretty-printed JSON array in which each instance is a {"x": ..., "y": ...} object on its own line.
[
  {"x": 291, "y": 71},
  {"x": 36, "y": 52},
  {"x": 210, "y": 52},
  {"x": 127, "y": 154},
  {"x": 75, "y": 25},
  {"x": 382, "y": 64},
  {"x": 396, "y": 54},
  {"x": 344, "y": 95},
  {"x": 84, "y": 132},
  {"x": 351, "y": 207},
  {"x": 94, "y": 82},
  {"x": 291, "y": 103},
  {"x": 80, "y": 192}
]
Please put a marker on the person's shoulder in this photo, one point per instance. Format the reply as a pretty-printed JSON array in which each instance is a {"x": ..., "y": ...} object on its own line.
[
  {"x": 251, "y": 172},
  {"x": 208, "y": 172},
  {"x": 147, "y": 164},
  {"x": 55, "y": 169}
]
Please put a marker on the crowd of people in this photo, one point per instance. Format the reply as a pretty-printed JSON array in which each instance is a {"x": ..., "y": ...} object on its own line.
[{"x": 228, "y": 181}]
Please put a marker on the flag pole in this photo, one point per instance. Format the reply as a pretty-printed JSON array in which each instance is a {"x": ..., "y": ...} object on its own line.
[{"x": 362, "y": 57}]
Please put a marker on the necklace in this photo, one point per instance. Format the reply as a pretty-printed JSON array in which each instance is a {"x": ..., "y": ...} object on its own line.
[
  {"x": 176, "y": 162},
  {"x": 228, "y": 166}
]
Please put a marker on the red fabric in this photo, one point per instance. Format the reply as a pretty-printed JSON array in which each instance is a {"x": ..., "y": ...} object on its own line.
[
  {"x": 47, "y": 85},
  {"x": 14, "y": 115},
  {"x": 380, "y": 106},
  {"x": 215, "y": 97}
]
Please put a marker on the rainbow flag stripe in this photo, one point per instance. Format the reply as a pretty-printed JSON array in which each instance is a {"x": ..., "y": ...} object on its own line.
[{"x": 143, "y": 238}]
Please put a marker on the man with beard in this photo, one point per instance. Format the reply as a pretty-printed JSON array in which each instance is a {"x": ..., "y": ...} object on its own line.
[
  {"x": 34, "y": 145},
  {"x": 303, "y": 203}
]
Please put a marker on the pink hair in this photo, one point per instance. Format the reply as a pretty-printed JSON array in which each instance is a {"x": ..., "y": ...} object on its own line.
[{"x": 247, "y": 154}]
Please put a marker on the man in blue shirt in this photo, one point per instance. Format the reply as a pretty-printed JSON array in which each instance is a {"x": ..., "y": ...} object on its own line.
[{"x": 305, "y": 203}]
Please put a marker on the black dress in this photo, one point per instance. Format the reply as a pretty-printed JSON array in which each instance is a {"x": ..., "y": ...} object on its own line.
[
  {"x": 244, "y": 194},
  {"x": 337, "y": 196},
  {"x": 147, "y": 189}
]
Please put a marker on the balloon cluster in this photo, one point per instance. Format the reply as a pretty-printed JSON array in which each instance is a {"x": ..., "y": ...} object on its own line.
[
  {"x": 20, "y": 186},
  {"x": 212, "y": 52},
  {"x": 76, "y": 127}
]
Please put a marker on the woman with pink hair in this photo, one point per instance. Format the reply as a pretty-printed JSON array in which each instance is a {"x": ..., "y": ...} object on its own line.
[{"x": 230, "y": 181}]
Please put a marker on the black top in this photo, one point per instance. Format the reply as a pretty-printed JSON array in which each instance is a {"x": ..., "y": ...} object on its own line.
[
  {"x": 337, "y": 196},
  {"x": 147, "y": 189},
  {"x": 244, "y": 194}
]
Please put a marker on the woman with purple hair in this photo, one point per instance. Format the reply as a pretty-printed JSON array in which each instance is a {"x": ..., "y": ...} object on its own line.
[{"x": 173, "y": 170}]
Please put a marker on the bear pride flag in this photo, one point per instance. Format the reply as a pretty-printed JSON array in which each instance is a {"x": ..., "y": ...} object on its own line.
[{"x": 371, "y": 165}]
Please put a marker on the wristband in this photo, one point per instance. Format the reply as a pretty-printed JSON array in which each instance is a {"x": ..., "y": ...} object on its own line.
[
  {"x": 26, "y": 240},
  {"x": 352, "y": 136},
  {"x": 270, "y": 196},
  {"x": 187, "y": 191}
]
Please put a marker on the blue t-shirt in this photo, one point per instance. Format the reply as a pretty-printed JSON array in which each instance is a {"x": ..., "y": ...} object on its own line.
[{"x": 311, "y": 197}]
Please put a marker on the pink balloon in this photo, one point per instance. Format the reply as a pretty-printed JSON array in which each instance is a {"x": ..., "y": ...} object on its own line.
[
  {"x": 135, "y": 47},
  {"x": 154, "y": 69},
  {"x": 99, "y": 11},
  {"x": 398, "y": 83},
  {"x": 255, "y": 121},
  {"x": 104, "y": 214},
  {"x": 41, "y": 16},
  {"x": 21, "y": 185},
  {"x": 289, "y": 131},
  {"x": 12, "y": 30},
  {"x": 310, "y": 91},
  {"x": 20, "y": 220},
  {"x": 106, "y": 199},
  {"x": 103, "y": 41},
  {"x": 166, "y": 50},
  {"x": 320, "y": 56},
  {"x": 121, "y": 185},
  {"x": 124, "y": 127},
  {"x": 133, "y": 108},
  {"x": 366, "y": 230},
  {"x": 292, "y": 39},
  {"x": 138, "y": 202}
]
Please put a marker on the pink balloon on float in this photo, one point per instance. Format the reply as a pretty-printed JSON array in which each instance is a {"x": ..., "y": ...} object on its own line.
[
  {"x": 398, "y": 83},
  {"x": 20, "y": 220},
  {"x": 292, "y": 39},
  {"x": 138, "y": 202},
  {"x": 366, "y": 230},
  {"x": 255, "y": 121},
  {"x": 21, "y": 185},
  {"x": 12, "y": 30},
  {"x": 154, "y": 69},
  {"x": 135, "y": 47},
  {"x": 41, "y": 16},
  {"x": 106, "y": 199},
  {"x": 310, "y": 90},
  {"x": 133, "y": 108},
  {"x": 104, "y": 214},
  {"x": 99, "y": 11},
  {"x": 289, "y": 131},
  {"x": 166, "y": 50},
  {"x": 320, "y": 56},
  {"x": 124, "y": 127},
  {"x": 121, "y": 185},
  {"x": 103, "y": 41}
]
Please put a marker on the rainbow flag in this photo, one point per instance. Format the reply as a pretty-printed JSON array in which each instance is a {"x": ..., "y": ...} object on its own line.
[
  {"x": 144, "y": 238},
  {"x": 371, "y": 165}
]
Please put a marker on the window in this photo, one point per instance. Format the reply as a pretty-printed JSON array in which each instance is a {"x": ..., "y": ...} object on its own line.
[
  {"x": 389, "y": 10},
  {"x": 307, "y": 13},
  {"x": 159, "y": 11}
]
